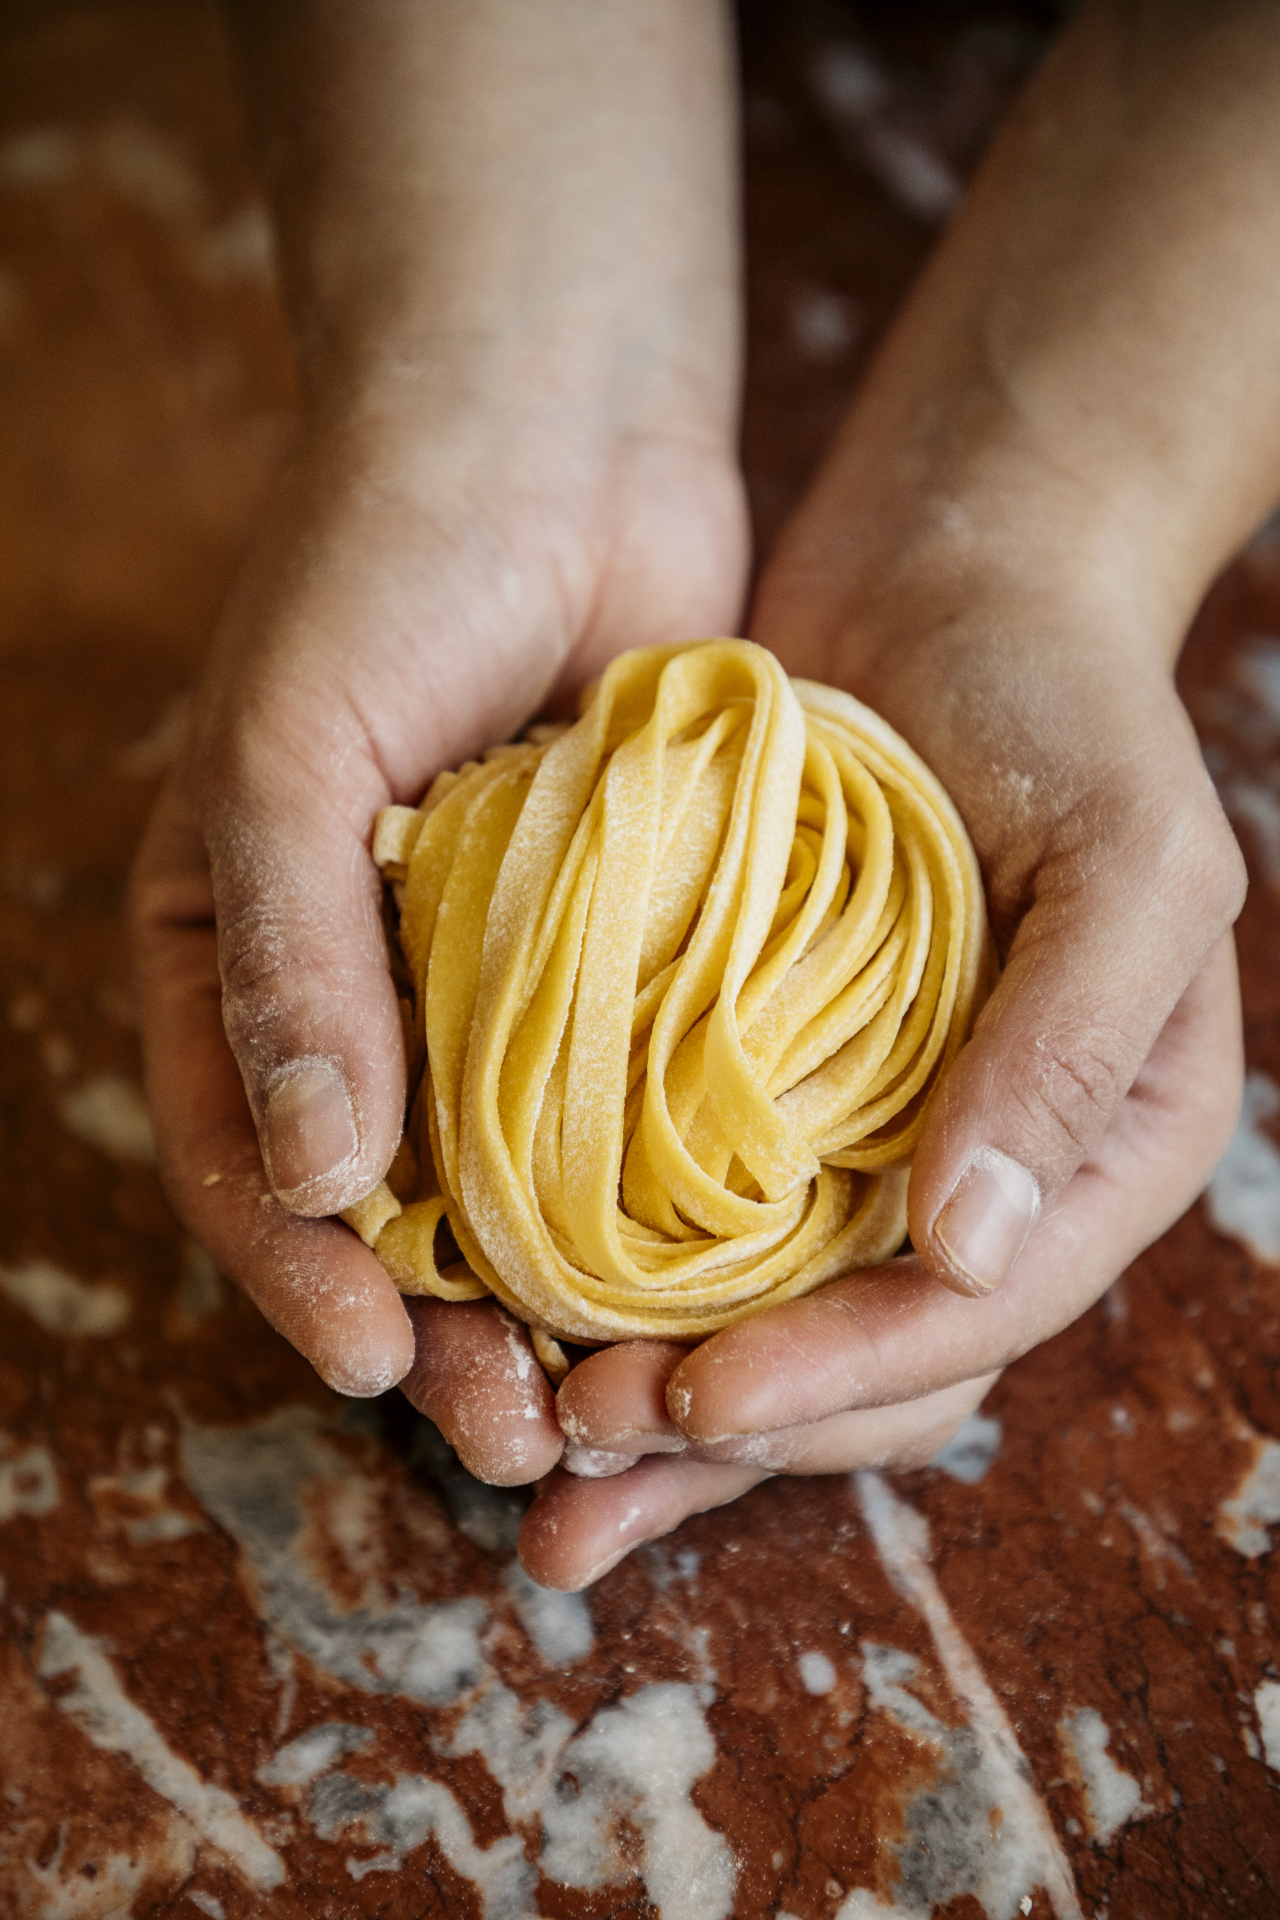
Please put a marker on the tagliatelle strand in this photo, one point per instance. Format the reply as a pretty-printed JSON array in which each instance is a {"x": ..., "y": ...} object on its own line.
[{"x": 685, "y": 976}]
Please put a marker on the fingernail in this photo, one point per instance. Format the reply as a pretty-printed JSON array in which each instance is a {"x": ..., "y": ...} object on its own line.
[
  {"x": 985, "y": 1223},
  {"x": 617, "y": 1441},
  {"x": 606, "y": 1565},
  {"x": 311, "y": 1126},
  {"x": 594, "y": 1463}
]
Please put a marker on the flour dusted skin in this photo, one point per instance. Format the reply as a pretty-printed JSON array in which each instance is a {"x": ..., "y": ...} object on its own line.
[{"x": 685, "y": 976}]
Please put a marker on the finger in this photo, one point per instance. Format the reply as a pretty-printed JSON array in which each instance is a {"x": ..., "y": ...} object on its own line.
[
  {"x": 896, "y": 1333},
  {"x": 577, "y": 1529},
  {"x": 307, "y": 997},
  {"x": 614, "y": 1401},
  {"x": 907, "y": 1434},
  {"x": 595, "y": 1463},
  {"x": 1144, "y": 885},
  {"x": 363, "y": 648},
  {"x": 313, "y": 1280},
  {"x": 475, "y": 1375}
]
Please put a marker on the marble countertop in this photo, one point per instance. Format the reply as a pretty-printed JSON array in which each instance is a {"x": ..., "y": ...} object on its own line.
[{"x": 265, "y": 1652}]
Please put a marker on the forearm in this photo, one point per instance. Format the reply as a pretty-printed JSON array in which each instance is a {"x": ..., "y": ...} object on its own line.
[
  {"x": 1084, "y": 392},
  {"x": 517, "y": 206}
]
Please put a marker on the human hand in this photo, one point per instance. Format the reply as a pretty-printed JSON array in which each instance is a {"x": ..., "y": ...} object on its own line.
[
  {"x": 256, "y": 905},
  {"x": 1085, "y": 1114},
  {"x": 518, "y": 338},
  {"x": 1069, "y": 432}
]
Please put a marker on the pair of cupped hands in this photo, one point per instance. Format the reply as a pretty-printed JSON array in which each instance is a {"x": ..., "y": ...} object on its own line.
[{"x": 456, "y": 548}]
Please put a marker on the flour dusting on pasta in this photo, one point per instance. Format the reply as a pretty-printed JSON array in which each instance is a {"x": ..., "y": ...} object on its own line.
[{"x": 685, "y": 976}]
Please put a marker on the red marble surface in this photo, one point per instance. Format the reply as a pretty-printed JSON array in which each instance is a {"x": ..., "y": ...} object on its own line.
[{"x": 263, "y": 1652}]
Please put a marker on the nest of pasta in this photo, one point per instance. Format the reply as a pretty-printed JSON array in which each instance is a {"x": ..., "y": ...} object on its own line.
[{"x": 685, "y": 976}]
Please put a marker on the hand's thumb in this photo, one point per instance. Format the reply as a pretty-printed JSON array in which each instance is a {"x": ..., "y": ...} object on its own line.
[
  {"x": 308, "y": 1002},
  {"x": 1098, "y": 966}
]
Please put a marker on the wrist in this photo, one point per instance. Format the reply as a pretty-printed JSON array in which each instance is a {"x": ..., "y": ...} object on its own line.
[
  {"x": 503, "y": 420},
  {"x": 1079, "y": 400},
  {"x": 487, "y": 204},
  {"x": 954, "y": 538}
]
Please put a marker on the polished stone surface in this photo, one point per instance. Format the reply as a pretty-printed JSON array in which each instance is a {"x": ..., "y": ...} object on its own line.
[{"x": 263, "y": 1652}]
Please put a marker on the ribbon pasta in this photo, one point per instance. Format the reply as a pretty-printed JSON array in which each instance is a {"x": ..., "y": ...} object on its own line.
[{"x": 685, "y": 976}]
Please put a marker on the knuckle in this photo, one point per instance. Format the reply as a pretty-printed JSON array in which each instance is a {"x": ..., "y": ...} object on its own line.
[
  {"x": 269, "y": 951},
  {"x": 1193, "y": 862},
  {"x": 253, "y": 956},
  {"x": 858, "y": 1359},
  {"x": 271, "y": 982},
  {"x": 1218, "y": 867},
  {"x": 1071, "y": 1092}
]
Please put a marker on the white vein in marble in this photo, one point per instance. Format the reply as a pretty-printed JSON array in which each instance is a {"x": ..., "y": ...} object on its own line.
[
  {"x": 147, "y": 1488},
  {"x": 559, "y": 1624},
  {"x": 28, "y": 1480},
  {"x": 61, "y": 1304},
  {"x": 313, "y": 1753},
  {"x": 108, "y": 1112},
  {"x": 1266, "y": 1700},
  {"x": 817, "y": 1675},
  {"x": 637, "y": 1761},
  {"x": 1243, "y": 1518},
  {"x": 523, "y": 1746},
  {"x": 1257, "y": 670},
  {"x": 862, "y": 1904},
  {"x": 206, "y": 1902},
  {"x": 139, "y": 162},
  {"x": 251, "y": 1480},
  {"x": 399, "y": 1817},
  {"x": 859, "y": 97},
  {"x": 1253, "y": 804},
  {"x": 1113, "y": 1797},
  {"x": 950, "y": 1846},
  {"x": 633, "y": 1763},
  {"x": 1156, "y": 1544},
  {"x": 1243, "y": 1197},
  {"x": 99, "y": 1706},
  {"x": 969, "y": 1452},
  {"x": 63, "y": 1893}
]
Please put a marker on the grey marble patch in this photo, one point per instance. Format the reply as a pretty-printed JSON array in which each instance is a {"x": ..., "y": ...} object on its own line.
[{"x": 251, "y": 1480}]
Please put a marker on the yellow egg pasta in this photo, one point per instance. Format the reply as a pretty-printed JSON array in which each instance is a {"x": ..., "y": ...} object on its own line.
[{"x": 685, "y": 975}]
